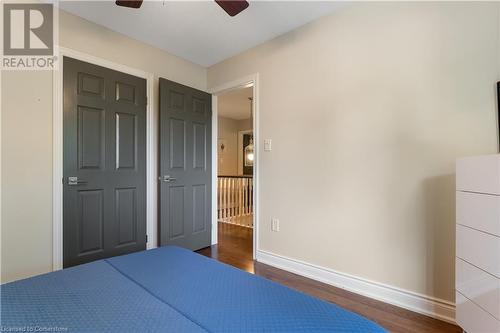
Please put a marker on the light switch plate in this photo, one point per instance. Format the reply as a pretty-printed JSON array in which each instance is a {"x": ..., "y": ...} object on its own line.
[
  {"x": 275, "y": 225},
  {"x": 268, "y": 145}
]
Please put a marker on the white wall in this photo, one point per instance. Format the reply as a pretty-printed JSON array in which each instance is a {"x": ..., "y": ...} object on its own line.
[
  {"x": 26, "y": 138},
  {"x": 368, "y": 109},
  {"x": 228, "y": 129}
]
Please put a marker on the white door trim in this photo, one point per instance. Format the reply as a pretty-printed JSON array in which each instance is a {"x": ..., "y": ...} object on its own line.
[
  {"x": 57, "y": 146},
  {"x": 247, "y": 81}
]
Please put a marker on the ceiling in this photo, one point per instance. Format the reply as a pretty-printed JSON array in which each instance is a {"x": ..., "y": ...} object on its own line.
[
  {"x": 200, "y": 31},
  {"x": 235, "y": 104}
]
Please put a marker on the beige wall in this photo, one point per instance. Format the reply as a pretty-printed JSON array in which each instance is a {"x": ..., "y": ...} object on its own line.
[
  {"x": 26, "y": 180},
  {"x": 368, "y": 109},
  {"x": 228, "y": 130},
  {"x": 370, "y": 106},
  {"x": 26, "y": 136}
]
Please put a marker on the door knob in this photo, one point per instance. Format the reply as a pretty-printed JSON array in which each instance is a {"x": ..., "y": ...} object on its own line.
[
  {"x": 74, "y": 181},
  {"x": 167, "y": 178}
]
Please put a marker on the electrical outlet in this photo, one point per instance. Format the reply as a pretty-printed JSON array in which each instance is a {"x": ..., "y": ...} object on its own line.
[{"x": 275, "y": 225}]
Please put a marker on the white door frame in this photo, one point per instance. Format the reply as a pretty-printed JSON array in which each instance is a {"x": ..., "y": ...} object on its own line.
[
  {"x": 247, "y": 81},
  {"x": 57, "y": 146}
]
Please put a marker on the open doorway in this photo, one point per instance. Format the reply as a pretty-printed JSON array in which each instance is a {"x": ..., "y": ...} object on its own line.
[
  {"x": 235, "y": 186},
  {"x": 235, "y": 164}
]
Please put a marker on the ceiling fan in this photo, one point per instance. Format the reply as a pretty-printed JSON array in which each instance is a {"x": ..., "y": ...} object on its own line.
[{"x": 232, "y": 7}]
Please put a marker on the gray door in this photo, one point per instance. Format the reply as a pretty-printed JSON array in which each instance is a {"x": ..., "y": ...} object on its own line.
[
  {"x": 185, "y": 166},
  {"x": 104, "y": 163}
]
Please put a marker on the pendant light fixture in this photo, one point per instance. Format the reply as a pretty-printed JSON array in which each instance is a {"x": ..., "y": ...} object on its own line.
[{"x": 249, "y": 151}]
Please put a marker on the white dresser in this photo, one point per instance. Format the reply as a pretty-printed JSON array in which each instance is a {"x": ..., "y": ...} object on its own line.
[{"x": 478, "y": 244}]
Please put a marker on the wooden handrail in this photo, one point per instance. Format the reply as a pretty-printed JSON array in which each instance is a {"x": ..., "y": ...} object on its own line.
[{"x": 242, "y": 176}]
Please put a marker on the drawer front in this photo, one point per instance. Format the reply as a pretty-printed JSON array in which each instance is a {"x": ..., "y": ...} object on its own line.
[
  {"x": 479, "y": 211},
  {"x": 480, "y": 249},
  {"x": 471, "y": 318},
  {"x": 479, "y": 174},
  {"x": 478, "y": 286}
]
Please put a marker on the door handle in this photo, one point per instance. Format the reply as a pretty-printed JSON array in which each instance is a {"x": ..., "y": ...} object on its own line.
[
  {"x": 74, "y": 181},
  {"x": 167, "y": 179}
]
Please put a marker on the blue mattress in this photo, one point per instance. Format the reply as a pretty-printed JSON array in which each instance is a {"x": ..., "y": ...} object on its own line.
[{"x": 168, "y": 289}]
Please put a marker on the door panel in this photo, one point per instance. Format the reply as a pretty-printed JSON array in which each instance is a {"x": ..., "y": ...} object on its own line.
[
  {"x": 200, "y": 146},
  {"x": 105, "y": 148},
  {"x": 126, "y": 140},
  {"x": 185, "y": 168},
  {"x": 176, "y": 205},
  {"x": 126, "y": 213},
  {"x": 90, "y": 85},
  {"x": 177, "y": 144},
  {"x": 125, "y": 92},
  {"x": 90, "y": 137},
  {"x": 199, "y": 208},
  {"x": 176, "y": 99},
  {"x": 90, "y": 222}
]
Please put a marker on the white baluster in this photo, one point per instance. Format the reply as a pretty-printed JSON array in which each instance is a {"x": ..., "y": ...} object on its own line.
[{"x": 250, "y": 210}]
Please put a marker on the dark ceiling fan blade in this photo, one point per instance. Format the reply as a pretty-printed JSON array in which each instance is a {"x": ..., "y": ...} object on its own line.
[
  {"x": 129, "y": 3},
  {"x": 233, "y": 7}
]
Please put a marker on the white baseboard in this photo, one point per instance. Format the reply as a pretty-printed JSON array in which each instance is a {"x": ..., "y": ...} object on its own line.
[{"x": 430, "y": 306}]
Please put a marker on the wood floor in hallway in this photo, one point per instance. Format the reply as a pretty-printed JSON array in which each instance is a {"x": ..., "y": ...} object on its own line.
[{"x": 235, "y": 248}]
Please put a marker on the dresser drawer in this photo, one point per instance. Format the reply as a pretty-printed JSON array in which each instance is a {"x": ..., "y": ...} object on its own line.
[
  {"x": 479, "y": 174},
  {"x": 478, "y": 286},
  {"x": 471, "y": 318},
  {"x": 479, "y": 211},
  {"x": 479, "y": 249}
]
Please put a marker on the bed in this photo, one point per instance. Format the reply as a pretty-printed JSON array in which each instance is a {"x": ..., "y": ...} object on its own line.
[{"x": 168, "y": 289}]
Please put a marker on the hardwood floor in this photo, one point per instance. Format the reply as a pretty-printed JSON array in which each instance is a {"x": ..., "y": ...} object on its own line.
[
  {"x": 246, "y": 220},
  {"x": 235, "y": 248}
]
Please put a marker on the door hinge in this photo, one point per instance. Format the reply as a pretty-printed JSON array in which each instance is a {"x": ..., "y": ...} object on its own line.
[{"x": 146, "y": 238}]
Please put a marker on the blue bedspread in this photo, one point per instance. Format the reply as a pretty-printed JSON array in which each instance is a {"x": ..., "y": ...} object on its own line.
[{"x": 167, "y": 290}]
